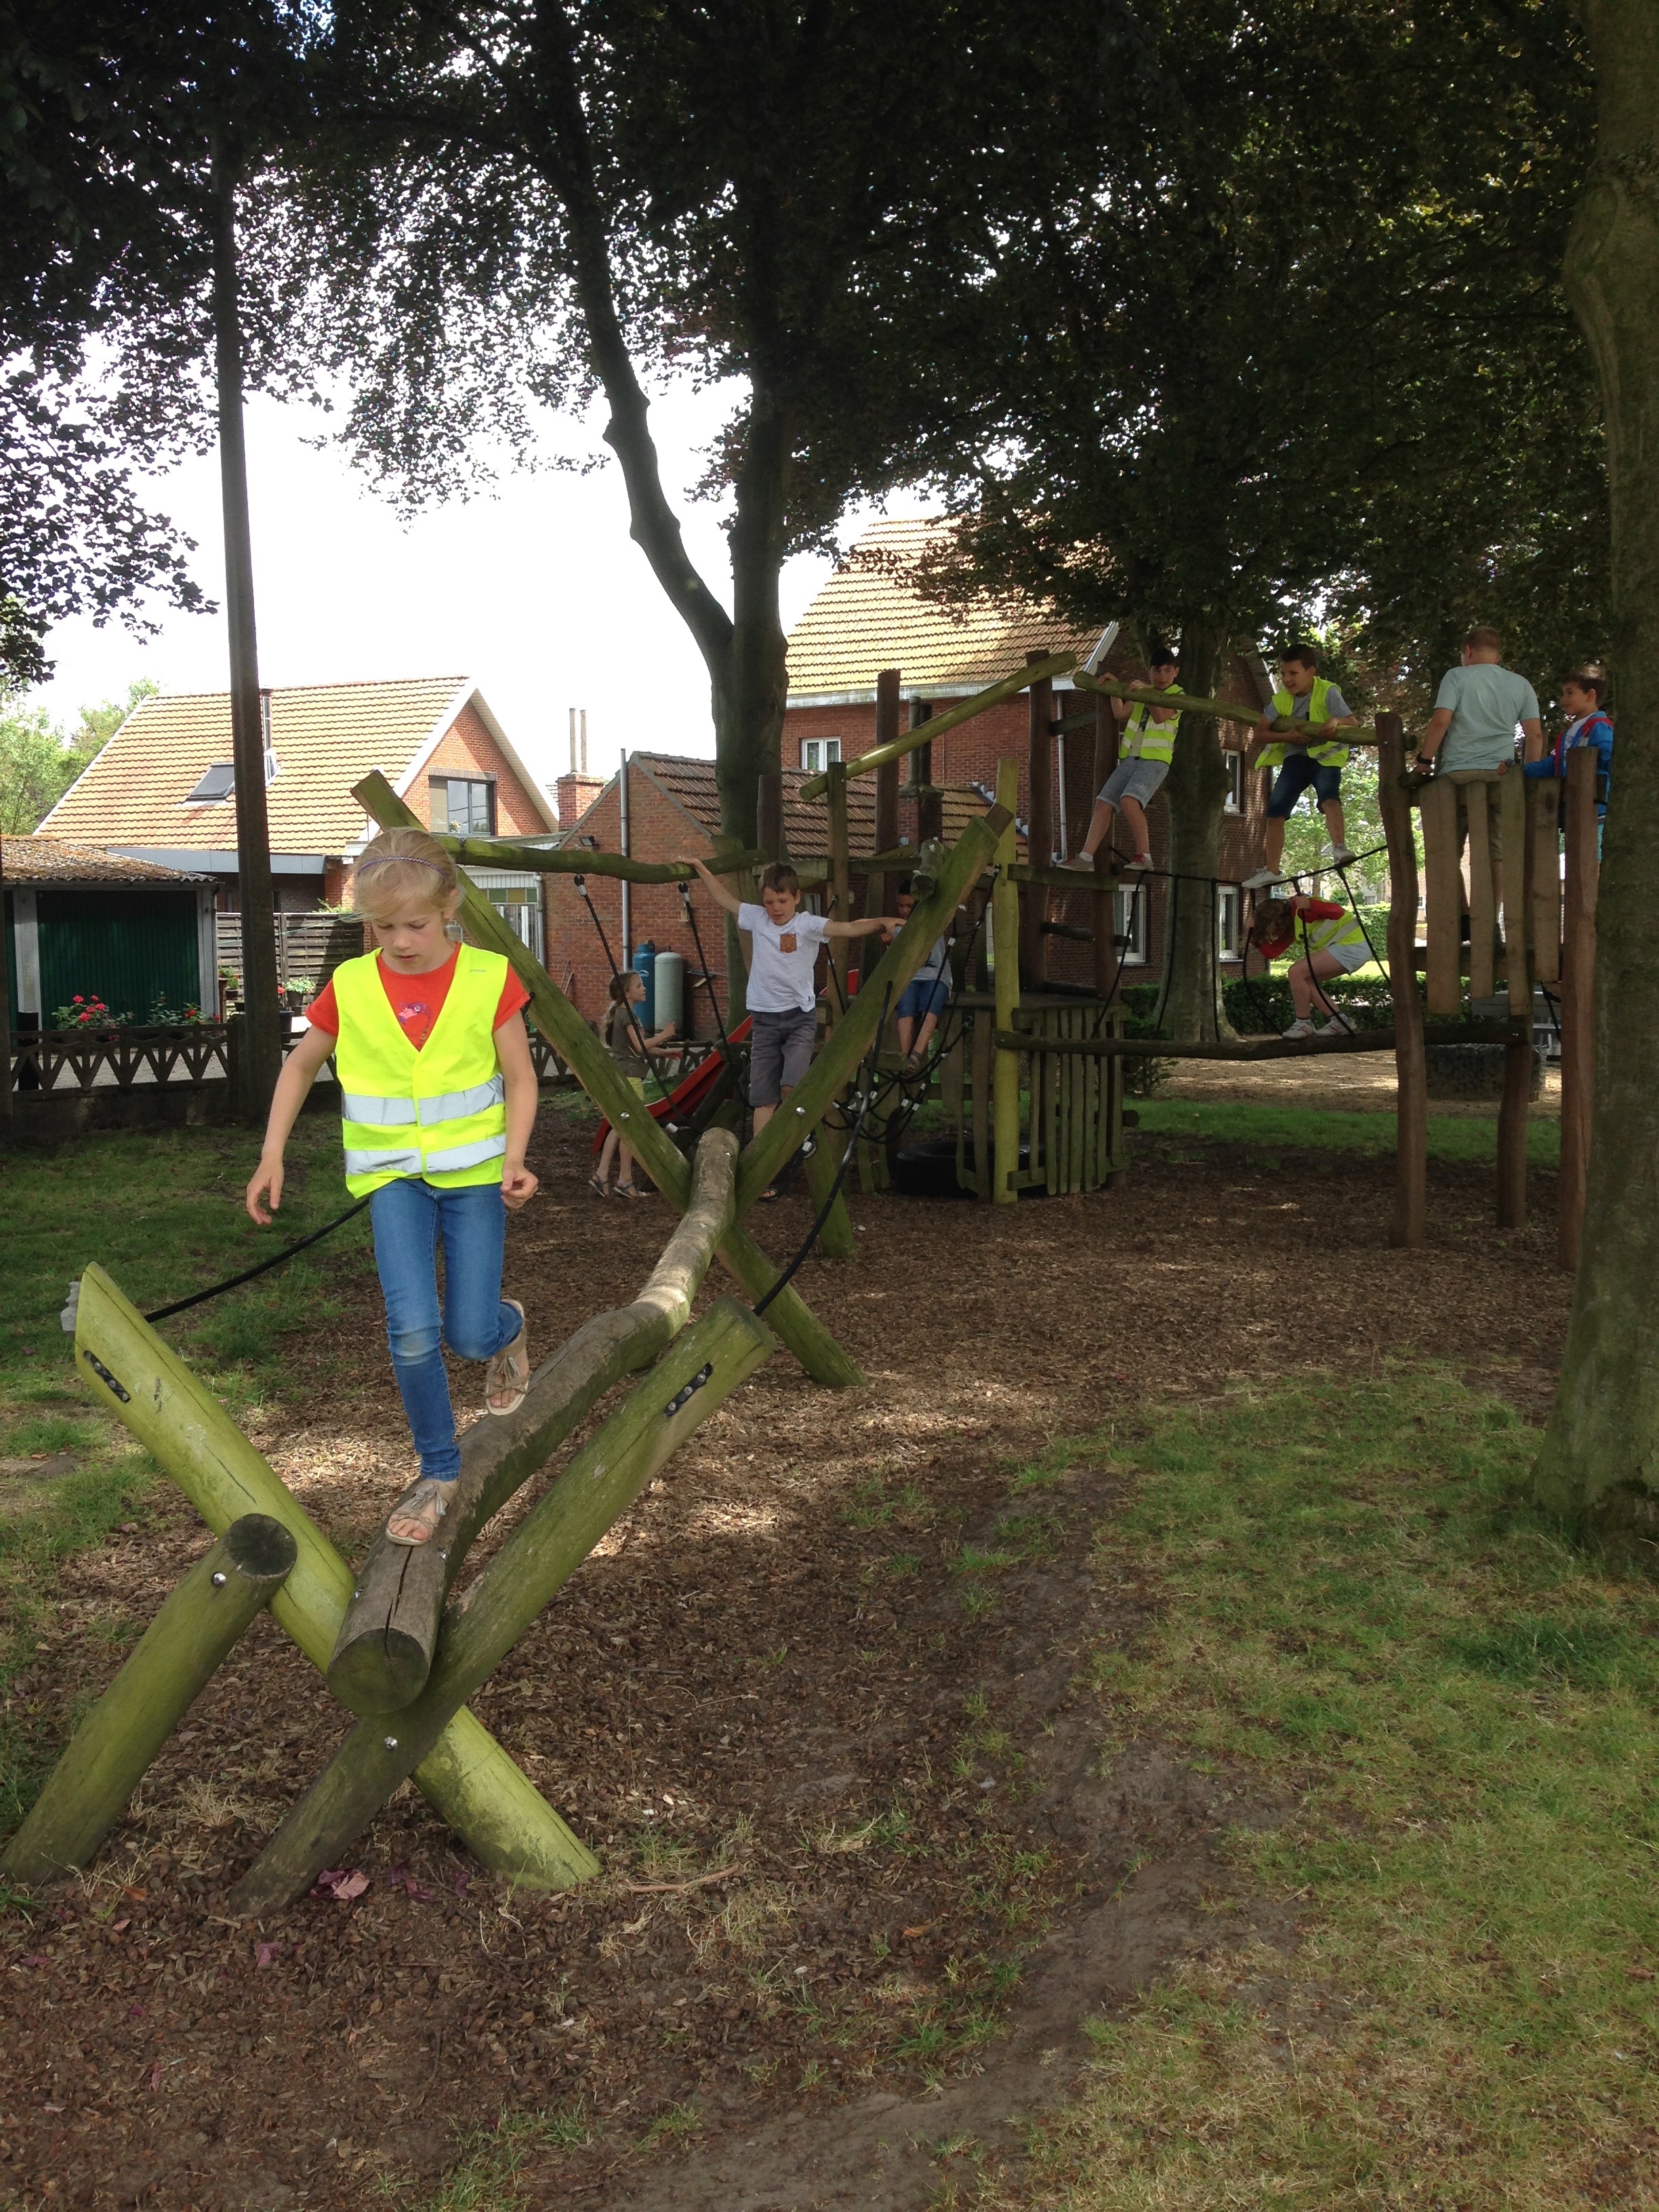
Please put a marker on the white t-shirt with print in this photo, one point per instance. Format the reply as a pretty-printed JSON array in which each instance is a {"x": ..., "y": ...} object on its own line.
[{"x": 780, "y": 975}]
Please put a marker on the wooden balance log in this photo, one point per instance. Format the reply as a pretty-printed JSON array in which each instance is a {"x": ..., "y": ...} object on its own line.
[
  {"x": 386, "y": 1640},
  {"x": 693, "y": 1378},
  {"x": 471, "y": 1783},
  {"x": 189, "y": 1639}
]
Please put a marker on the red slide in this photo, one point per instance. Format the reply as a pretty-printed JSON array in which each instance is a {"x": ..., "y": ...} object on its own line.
[{"x": 683, "y": 1101}]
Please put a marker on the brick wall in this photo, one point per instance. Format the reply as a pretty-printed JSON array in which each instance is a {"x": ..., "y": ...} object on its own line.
[
  {"x": 658, "y": 830},
  {"x": 466, "y": 747}
]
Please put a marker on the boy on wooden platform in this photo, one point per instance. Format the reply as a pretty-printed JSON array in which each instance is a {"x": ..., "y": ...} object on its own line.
[
  {"x": 1305, "y": 697},
  {"x": 1587, "y": 724},
  {"x": 1334, "y": 945},
  {"x": 631, "y": 1051},
  {"x": 1144, "y": 750},
  {"x": 782, "y": 995},
  {"x": 1471, "y": 730},
  {"x": 438, "y": 1098}
]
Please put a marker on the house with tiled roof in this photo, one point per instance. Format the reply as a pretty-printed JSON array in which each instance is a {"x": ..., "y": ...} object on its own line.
[
  {"x": 163, "y": 789},
  {"x": 83, "y": 922}
]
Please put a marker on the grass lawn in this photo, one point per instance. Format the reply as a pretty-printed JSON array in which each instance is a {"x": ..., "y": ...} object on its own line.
[
  {"x": 1450, "y": 1137},
  {"x": 1459, "y": 1712},
  {"x": 162, "y": 1211}
]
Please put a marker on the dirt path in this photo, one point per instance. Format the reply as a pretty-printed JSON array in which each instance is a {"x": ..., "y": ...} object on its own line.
[{"x": 835, "y": 1661}]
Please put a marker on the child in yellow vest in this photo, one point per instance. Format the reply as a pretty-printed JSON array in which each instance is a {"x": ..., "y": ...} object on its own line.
[
  {"x": 438, "y": 1096},
  {"x": 1332, "y": 943},
  {"x": 1145, "y": 750},
  {"x": 1305, "y": 697}
]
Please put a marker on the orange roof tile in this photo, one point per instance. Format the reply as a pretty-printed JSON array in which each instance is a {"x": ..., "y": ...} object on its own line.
[
  {"x": 870, "y": 616},
  {"x": 326, "y": 737},
  {"x": 691, "y": 783}
]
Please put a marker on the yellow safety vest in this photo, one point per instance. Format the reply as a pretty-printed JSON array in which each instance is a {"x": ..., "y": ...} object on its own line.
[
  {"x": 439, "y": 1113},
  {"x": 1340, "y": 929},
  {"x": 1145, "y": 740},
  {"x": 1329, "y": 754}
]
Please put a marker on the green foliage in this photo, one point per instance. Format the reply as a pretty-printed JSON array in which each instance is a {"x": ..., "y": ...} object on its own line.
[
  {"x": 39, "y": 760},
  {"x": 1451, "y": 1722}
]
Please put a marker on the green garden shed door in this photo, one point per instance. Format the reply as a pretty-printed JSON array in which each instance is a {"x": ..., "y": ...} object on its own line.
[{"x": 126, "y": 947}]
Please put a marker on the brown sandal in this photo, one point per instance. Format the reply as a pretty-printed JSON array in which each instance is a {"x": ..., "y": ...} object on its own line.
[
  {"x": 424, "y": 1506},
  {"x": 507, "y": 1375}
]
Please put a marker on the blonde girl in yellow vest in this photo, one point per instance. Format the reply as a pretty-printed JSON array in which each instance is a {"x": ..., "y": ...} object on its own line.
[{"x": 438, "y": 1098}]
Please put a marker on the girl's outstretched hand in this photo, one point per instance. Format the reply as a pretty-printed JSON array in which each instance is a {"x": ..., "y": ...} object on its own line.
[
  {"x": 267, "y": 1183},
  {"x": 519, "y": 1186}
]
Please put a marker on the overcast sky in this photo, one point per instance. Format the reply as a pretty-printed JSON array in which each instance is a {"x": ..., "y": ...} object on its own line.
[{"x": 536, "y": 591}]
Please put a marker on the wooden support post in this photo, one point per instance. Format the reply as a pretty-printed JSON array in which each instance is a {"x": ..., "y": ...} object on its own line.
[
  {"x": 179, "y": 1652},
  {"x": 1108, "y": 957},
  {"x": 838, "y": 1239},
  {"x": 1518, "y": 1050},
  {"x": 1577, "y": 999},
  {"x": 1005, "y": 942},
  {"x": 1544, "y": 876},
  {"x": 840, "y": 885},
  {"x": 698, "y": 1374},
  {"x": 1410, "y": 1223},
  {"x": 383, "y": 1652},
  {"x": 930, "y": 802},
  {"x": 1442, "y": 906},
  {"x": 1040, "y": 833},
  {"x": 833, "y": 1068},
  {"x": 605, "y": 1083},
  {"x": 878, "y": 893},
  {"x": 984, "y": 1027},
  {"x": 471, "y": 1783},
  {"x": 1483, "y": 898}
]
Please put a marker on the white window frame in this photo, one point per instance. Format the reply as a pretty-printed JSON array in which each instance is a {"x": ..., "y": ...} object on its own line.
[
  {"x": 817, "y": 753},
  {"x": 1129, "y": 919},
  {"x": 1235, "y": 764},
  {"x": 1228, "y": 920}
]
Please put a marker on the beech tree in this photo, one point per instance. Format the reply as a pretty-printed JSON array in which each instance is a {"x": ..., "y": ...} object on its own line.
[
  {"x": 534, "y": 203},
  {"x": 1600, "y": 1463},
  {"x": 1288, "y": 340}
]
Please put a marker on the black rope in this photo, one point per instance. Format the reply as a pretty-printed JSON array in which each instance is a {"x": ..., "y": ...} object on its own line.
[
  {"x": 201, "y": 1298},
  {"x": 579, "y": 885},
  {"x": 824, "y": 1212}
]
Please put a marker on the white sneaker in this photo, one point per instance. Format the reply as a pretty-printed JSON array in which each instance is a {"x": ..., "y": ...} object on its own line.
[
  {"x": 1138, "y": 861},
  {"x": 1335, "y": 1027},
  {"x": 1301, "y": 1028},
  {"x": 1260, "y": 880},
  {"x": 1341, "y": 856},
  {"x": 1079, "y": 861}
]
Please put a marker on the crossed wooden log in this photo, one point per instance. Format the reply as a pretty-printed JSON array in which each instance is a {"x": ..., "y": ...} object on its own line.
[{"x": 393, "y": 1652}]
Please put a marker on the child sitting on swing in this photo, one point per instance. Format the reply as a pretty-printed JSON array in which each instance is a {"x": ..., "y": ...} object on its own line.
[
  {"x": 1332, "y": 943},
  {"x": 438, "y": 1096}
]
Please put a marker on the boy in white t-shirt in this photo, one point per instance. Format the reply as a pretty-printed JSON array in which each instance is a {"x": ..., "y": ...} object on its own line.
[{"x": 782, "y": 993}]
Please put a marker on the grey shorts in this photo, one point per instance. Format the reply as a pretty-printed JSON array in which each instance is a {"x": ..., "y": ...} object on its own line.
[
  {"x": 780, "y": 1052},
  {"x": 1134, "y": 779}
]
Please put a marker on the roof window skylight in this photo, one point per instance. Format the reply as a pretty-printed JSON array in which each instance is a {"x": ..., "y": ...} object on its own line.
[{"x": 218, "y": 783}]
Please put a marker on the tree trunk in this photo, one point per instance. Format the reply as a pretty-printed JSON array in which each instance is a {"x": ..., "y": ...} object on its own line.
[
  {"x": 1600, "y": 1464},
  {"x": 1197, "y": 789},
  {"x": 262, "y": 1050}
]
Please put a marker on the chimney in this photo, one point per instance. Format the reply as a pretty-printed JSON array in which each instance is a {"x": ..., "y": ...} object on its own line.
[{"x": 574, "y": 794}]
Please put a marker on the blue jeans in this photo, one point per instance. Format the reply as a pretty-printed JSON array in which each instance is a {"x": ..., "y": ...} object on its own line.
[
  {"x": 1293, "y": 779},
  {"x": 412, "y": 1219},
  {"x": 923, "y": 995}
]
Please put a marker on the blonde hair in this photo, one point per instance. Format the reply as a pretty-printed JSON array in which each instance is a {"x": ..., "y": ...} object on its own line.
[{"x": 398, "y": 865}]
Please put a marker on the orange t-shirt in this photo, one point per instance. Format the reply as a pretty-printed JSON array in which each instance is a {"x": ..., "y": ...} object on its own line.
[{"x": 417, "y": 1000}]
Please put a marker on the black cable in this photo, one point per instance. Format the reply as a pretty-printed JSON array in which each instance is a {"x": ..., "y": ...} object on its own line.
[
  {"x": 813, "y": 1233},
  {"x": 201, "y": 1298}
]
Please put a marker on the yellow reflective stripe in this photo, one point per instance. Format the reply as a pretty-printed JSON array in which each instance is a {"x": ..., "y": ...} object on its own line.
[
  {"x": 465, "y": 1156},
  {"x": 386, "y": 1162},
  {"x": 456, "y": 1105},
  {"x": 379, "y": 1113}
]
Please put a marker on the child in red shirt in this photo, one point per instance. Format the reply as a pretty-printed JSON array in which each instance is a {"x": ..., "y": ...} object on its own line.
[{"x": 1332, "y": 943}]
